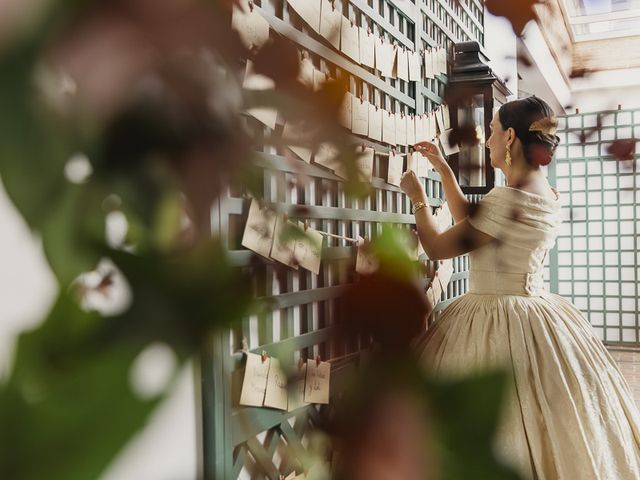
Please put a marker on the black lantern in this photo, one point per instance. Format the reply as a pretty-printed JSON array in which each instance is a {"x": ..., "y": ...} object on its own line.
[{"x": 474, "y": 93}]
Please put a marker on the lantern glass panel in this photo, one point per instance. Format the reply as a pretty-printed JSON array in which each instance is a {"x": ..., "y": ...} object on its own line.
[{"x": 471, "y": 159}]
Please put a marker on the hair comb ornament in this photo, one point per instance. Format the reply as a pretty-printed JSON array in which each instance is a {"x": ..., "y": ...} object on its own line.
[{"x": 547, "y": 125}]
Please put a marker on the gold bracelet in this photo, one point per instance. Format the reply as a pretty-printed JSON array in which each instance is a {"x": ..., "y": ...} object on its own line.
[{"x": 418, "y": 206}]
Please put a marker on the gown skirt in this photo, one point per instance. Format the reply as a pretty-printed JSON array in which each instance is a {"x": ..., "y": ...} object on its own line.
[{"x": 568, "y": 413}]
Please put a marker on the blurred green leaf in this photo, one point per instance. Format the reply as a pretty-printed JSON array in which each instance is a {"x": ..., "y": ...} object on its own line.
[
  {"x": 466, "y": 412},
  {"x": 67, "y": 408}
]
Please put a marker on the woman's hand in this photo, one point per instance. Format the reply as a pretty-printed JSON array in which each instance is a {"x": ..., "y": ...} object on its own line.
[
  {"x": 432, "y": 152},
  {"x": 411, "y": 185}
]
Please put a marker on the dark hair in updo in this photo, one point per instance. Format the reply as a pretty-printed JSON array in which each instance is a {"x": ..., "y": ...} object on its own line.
[{"x": 538, "y": 147}]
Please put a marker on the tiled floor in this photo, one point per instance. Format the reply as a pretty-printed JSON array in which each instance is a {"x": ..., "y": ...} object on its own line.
[{"x": 628, "y": 360}]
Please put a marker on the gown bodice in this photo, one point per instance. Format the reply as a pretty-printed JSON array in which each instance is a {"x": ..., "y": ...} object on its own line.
[{"x": 525, "y": 226}]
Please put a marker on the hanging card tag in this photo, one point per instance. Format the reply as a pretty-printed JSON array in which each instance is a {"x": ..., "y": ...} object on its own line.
[
  {"x": 389, "y": 128},
  {"x": 257, "y": 82},
  {"x": 252, "y": 27},
  {"x": 254, "y": 384},
  {"x": 375, "y": 123},
  {"x": 396, "y": 162},
  {"x": 309, "y": 11},
  {"x": 284, "y": 244},
  {"x": 367, "y": 47},
  {"x": 276, "y": 391},
  {"x": 296, "y": 391},
  {"x": 308, "y": 250},
  {"x": 317, "y": 383},
  {"x": 330, "y": 23},
  {"x": 259, "y": 230},
  {"x": 349, "y": 40},
  {"x": 360, "y": 116},
  {"x": 366, "y": 261},
  {"x": 415, "y": 61}
]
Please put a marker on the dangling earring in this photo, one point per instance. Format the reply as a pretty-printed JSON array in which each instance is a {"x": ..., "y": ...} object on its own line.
[{"x": 507, "y": 156}]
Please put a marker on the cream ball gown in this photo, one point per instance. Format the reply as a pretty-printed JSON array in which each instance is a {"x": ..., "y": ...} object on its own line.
[{"x": 569, "y": 413}]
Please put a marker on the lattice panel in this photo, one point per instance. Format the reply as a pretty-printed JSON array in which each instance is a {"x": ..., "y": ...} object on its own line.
[
  {"x": 595, "y": 264},
  {"x": 248, "y": 442}
]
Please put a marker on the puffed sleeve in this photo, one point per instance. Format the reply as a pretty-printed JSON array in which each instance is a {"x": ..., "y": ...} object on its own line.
[
  {"x": 514, "y": 219},
  {"x": 489, "y": 216}
]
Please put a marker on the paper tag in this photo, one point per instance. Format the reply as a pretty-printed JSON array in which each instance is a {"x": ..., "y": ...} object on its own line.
[
  {"x": 411, "y": 130},
  {"x": 349, "y": 40},
  {"x": 360, "y": 116},
  {"x": 346, "y": 111},
  {"x": 276, "y": 392},
  {"x": 283, "y": 248},
  {"x": 443, "y": 217},
  {"x": 318, "y": 79},
  {"x": 254, "y": 384},
  {"x": 330, "y": 23},
  {"x": 367, "y": 48},
  {"x": 432, "y": 126},
  {"x": 401, "y": 129},
  {"x": 414, "y": 67},
  {"x": 437, "y": 287},
  {"x": 252, "y": 27},
  {"x": 410, "y": 241},
  {"x": 317, "y": 382},
  {"x": 296, "y": 133},
  {"x": 420, "y": 128},
  {"x": 326, "y": 155},
  {"x": 308, "y": 250},
  {"x": 259, "y": 230},
  {"x": 394, "y": 172},
  {"x": 366, "y": 262},
  {"x": 254, "y": 81},
  {"x": 444, "y": 141},
  {"x": 403, "y": 65},
  {"x": 389, "y": 128},
  {"x": 423, "y": 165},
  {"x": 309, "y": 11},
  {"x": 385, "y": 58},
  {"x": 428, "y": 64},
  {"x": 375, "y": 123},
  {"x": 412, "y": 163},
  {"x": 445, "y": 271},
  {"x": 364, "y": 163},
  {"x": 306, "y": 72},
  {"x": 296, "y": 391},
  {"x": 431, "y": 299},
  {"x": 446, "y": 115},
  {"x": 440, "y": 119}
]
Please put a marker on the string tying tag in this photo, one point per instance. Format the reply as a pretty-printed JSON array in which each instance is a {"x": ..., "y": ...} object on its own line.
[
  {"x": 264, "y": 355},
  {"x": 318, "y": 360}
]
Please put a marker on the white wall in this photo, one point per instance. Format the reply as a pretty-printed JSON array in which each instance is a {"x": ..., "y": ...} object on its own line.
[
  {"x": 543, "y": 78},
  {"x": 501, "y": 48},
  {"x": 606, "y": 89},
  {"x": 166, "y": 448}
]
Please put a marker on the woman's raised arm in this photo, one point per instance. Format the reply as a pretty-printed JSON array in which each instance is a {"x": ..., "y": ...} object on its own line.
[{"x": 458, "y": 203}]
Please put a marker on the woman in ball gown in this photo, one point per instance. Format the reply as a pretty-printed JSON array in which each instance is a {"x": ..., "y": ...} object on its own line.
[{"x": 569, "y": 413}]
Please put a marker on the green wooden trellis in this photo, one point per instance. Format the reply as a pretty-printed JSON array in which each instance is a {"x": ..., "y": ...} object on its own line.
[
  {"x": 239, "y": 442},
  {"x": 595, "y": 260}
]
